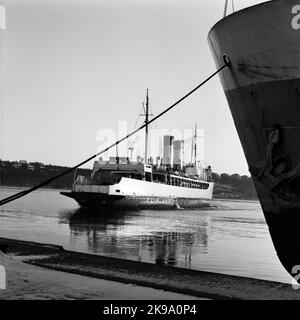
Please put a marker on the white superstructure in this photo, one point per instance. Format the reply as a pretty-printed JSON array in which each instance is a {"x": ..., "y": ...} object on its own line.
[{"x": 141, "y": 184}]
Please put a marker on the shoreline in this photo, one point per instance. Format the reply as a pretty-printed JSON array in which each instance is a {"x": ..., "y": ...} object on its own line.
[
  {"x": 199, "y": 284},
  {"x": 67, "y": 189}
]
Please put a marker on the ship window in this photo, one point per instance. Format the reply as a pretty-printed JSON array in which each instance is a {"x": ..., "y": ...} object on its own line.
[
  {"x": 102, "y": 177},
  {"x": 205, "y": 185},
  {"x": 106, "y": 177}
]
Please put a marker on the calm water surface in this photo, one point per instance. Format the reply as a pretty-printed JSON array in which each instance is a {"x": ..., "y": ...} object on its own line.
[{"x": 229, "y": 237}]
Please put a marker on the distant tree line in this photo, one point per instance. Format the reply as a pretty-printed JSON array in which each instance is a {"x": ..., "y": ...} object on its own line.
[
  {"x": 234, "y": 186},
  {"x": 23, "y": 174}
]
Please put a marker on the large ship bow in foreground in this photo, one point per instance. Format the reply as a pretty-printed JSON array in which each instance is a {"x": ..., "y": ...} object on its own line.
[{"x": 262, "y": 86}]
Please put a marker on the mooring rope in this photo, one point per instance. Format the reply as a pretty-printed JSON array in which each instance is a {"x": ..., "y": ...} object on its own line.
[{"x": 25, "y": 192}]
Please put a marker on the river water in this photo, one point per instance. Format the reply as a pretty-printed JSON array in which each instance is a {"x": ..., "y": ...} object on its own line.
[{"x": 228, "y": 237}]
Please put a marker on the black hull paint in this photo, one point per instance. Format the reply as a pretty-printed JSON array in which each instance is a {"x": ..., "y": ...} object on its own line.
[
  {"x": 273, "y": 109},
  {"x": 262, "y": 87}
]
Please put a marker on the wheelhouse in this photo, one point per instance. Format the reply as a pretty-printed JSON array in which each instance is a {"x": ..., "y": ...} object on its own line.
[{"x": 108, "y": 177}]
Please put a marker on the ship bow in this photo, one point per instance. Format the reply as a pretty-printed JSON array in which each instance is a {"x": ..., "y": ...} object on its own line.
[{"x": 262, "y": 87}]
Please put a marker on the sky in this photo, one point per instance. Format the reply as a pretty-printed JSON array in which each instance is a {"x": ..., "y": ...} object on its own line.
[{"x": 74, "y": 73}]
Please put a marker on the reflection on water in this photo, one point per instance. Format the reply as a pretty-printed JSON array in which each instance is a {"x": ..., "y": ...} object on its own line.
[
  {"x": 228, "y": 237},
  {"x": 129, "y": 235}
]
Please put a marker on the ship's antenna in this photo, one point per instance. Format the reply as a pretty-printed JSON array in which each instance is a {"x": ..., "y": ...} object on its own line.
[
  {"x": 225, "y": 9},
  {"x": 232, "y": 2}
]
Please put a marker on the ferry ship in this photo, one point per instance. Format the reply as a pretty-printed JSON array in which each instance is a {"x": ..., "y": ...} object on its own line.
[
  {"x": 169, "y": 183},
  {"x": 262, "y": 86}
]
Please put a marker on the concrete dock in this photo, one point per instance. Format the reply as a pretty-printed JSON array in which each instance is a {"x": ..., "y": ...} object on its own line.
[{"x": 186, "y": 283}]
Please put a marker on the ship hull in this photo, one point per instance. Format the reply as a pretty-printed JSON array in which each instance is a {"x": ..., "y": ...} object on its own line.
[
  {"x": 100, "y": 201},
  {"x": 140, "y": 194},
  {"x": 262, "y": 87}
]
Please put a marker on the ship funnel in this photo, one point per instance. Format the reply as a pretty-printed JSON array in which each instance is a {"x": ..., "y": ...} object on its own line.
[
  {"x": 178, "y": 154},
  {"x": 168, "y": 151}
]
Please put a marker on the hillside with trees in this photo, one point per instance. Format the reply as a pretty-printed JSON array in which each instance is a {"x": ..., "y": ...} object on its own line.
[
  {"x": 234, "y": 187},
  {"x": 23, "y": 174}
]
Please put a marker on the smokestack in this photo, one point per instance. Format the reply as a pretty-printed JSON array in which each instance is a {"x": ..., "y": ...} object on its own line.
[
  {"x": 168, "y": 151},
  {"x": 178, "y": 154}
]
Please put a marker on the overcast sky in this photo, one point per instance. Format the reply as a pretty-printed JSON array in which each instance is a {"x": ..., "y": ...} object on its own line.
[{"x": 72, "y": 68}]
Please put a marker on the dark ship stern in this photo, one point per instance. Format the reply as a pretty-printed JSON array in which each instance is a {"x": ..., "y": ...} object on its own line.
[{"x": 262, "y": 87}]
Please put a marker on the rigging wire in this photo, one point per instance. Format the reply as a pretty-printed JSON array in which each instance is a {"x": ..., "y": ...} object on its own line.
[
  {"x": 137, "y": 119},
  {"x": 135, "y": 125},
  {"x": 115, "y": 144},
  {"x": 225, "y": 8}
]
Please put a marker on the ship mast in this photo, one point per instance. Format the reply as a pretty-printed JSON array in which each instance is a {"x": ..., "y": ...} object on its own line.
[
  {"x": 195, "y": 145},
  {"x": 192, "y": 148},
  {"x": 146, "y": 127}
]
